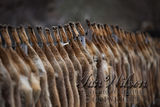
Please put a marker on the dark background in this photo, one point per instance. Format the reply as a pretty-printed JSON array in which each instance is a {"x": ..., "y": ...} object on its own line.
[{"x": 132, "y": 15}]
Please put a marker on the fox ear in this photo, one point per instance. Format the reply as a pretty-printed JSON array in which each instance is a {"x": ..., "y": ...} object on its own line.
[
  {"x": 68, "y": 31},
  {"x": 103, "y": 30},
  {"x": 108, "y": 29},
  {"x": 72, "y": 25},
  {"x": 15, "y": 35},
  {"x": 47, "y": 31},
  {"x": 62, "y": 33},
  {"x": 41, "y": 34},
  {"x": 32, "y": 35},
  {"x": 55, "y": 32},
  {"x": 80, "y": 28},
  {"x": 95, "y": 29},
  {"x": 22, "y": 34},
  {"x": 5, "y": 34}
]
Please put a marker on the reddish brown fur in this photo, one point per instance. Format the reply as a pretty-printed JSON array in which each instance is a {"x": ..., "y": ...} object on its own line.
[
  {"x": 14, "y": 74},
  {"x": 101, "y": 72},
  {"x": 33, "y": 55},
  {"x": 25, "y": 91},
  {"x": 51, "y": 75},
  {"x": 45, "y": 96},
  {"x": 78, "y": 70},
  {"x": 70, "y": 67},
  {"x": 86, "y": 71},
  {"x": 35, "y": 82},
  {"x": 85, "y": 52},
  {"x": 6, "y": 88},
  {"x": 63, "y": 66},
  {"x": 58, "y": 71}
]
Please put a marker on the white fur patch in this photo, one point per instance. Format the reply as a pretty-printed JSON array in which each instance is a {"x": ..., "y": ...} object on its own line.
[
  {"x": 103, "y": 55},
  {"x": 34, "y": 79},
  {"x": 125, "y": 58},
  {"x": 116, "y": 60},
  {"x": 63, "y": 44},
  {"x": 110, "y": 52},
  {"x": 56, "y": 74},
  {"x": 105, "y": 66},
  {"x": 39, "y": 65},
  {"x": 24, "y": 83}
]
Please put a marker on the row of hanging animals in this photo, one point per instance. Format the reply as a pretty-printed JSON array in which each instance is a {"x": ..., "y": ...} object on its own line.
[{"x": 105, "y": 67}]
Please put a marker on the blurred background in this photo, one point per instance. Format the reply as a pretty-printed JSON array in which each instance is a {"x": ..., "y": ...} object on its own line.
[{"x": 132, "y": 15}]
